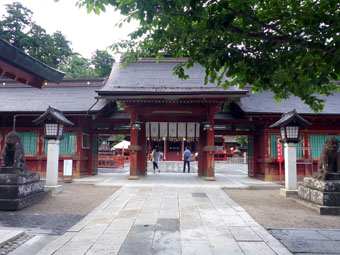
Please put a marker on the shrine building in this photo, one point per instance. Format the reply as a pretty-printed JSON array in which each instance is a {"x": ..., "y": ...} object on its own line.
[{"x": 151, "y": 106}]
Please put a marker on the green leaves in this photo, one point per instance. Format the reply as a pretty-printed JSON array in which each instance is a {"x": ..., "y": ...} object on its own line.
[
  {"x": 18, "y": 28},
  {"x": 102, "y": 62},
  {"x": 54, "y": 50},
  {"x": 291, "y": 47}
]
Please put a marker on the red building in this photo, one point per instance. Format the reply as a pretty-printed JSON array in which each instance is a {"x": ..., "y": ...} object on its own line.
[
  {"x": 169, "y": 112},
  {"x": 20, "y": 104}
]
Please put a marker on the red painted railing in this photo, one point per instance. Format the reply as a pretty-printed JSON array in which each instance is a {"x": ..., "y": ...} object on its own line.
[
  {"x": 127, "y": 159},
  {"x": 110, "y": 161}
]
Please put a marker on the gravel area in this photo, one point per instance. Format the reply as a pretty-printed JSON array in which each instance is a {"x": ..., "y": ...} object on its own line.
[
  {"x": 74, "y": 199},
  {"x": 272, "y": 210}
]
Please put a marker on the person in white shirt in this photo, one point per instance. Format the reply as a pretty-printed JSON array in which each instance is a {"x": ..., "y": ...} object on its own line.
[{"x": 155, "y": 159}]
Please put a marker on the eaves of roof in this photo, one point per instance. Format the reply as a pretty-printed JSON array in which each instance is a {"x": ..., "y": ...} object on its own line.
[{"x": 16, "y": 64}]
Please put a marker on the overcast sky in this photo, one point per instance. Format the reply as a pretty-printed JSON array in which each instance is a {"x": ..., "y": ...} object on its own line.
[{"x": 87, "y": 32}]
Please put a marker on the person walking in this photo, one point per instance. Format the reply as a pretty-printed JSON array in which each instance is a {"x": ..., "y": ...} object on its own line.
[
  {"x": 155, "y": 159},
  {"x": 187, "y": 158}
]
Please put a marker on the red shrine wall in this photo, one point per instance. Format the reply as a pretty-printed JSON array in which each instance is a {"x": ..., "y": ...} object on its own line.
[
  {"x": 308, "y": 150},
  {"x": 72, "y": 148},
  {"x": 264, "y": 160}
]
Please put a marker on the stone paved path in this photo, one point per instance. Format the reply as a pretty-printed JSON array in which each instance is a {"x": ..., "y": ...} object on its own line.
[
  {"x": 309, "y": 241},
  {"x": 227, "y": 176},
  {"x": 167, "y": 220}
]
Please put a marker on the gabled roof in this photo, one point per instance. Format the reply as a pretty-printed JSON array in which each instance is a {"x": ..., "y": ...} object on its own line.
[
  {"x": 263, "y": 103},
  {"x": 148, "y": 79},
  {"x": 17, "y": 65},
  {"x": 54, "y": 114},
  {"x": 290, "y": 117},
  {"x": 71, "y": 96}
]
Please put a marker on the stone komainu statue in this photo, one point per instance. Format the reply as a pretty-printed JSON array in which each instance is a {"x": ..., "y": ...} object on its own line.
[
  {"x": 329, "y": 159},
  {"x": 13, "y": 153}
]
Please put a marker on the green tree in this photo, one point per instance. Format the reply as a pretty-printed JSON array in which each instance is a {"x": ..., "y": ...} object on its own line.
[
  {"x": 118, "y": 139},
  {"x": 291, "y": 47},
  {"x": 17, "y": 27},
  {"x": 61, "y": 48},
  {"x": 102, "y": 62},
  {"x": 242, "y": 140},
  {"x": 77, "y": 66},
  {"x": 14, "y": 26}
]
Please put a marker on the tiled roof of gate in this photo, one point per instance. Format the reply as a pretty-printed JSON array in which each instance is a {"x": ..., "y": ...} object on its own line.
[
  {"x": 71, "y": 95},
  {"x": 263, "y": 103},
  {"x": 149, "y": 77}
]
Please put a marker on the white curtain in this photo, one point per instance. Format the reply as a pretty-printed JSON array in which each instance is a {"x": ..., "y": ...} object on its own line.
[
  {"x": 172, "y": 129},
  {"x": 147, "y": 129},
  {"x": 181, "y": 129},
  {"x": 191, "y": 126},
  {"x": 163, "y": 129},
  {"x": 154, "y": 129},
  {"x": 197, "y": 129}
]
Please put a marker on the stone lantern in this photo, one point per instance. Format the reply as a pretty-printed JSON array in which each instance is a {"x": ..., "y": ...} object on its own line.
[
  {"x": 290, "y": 125},
  {"x": 54, "y": 122}
]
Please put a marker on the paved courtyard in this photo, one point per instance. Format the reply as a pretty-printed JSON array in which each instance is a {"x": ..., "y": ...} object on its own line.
[
  {"x": 177, "y": 213},
  {"x": 168, "y": 213},
  {"x": 171, "y": 174},
  {"x": 167, "y": 220}
]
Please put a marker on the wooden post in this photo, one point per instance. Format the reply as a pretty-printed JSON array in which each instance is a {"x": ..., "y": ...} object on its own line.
[
  {"x": 201, "y": 153},
  {"x": 141, "y": 160},
  {"x": 210, "y": 164},
  {"x": 133, "y": 146}
]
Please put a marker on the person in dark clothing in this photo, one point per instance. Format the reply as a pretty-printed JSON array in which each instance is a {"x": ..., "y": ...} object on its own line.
[{"x": 187, "y": 158}]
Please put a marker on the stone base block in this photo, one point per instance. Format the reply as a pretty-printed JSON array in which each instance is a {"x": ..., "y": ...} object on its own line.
[
  {"x": 19, "y": 189},
  {"x": 133, "y": 177},
  {"x": 288, "y": 193},
  {"x": 20, "y": 203},
  {"x": 13, "y": 170},
  {"x": 321, "y": 192},
  {"x": 210, "y": 178},
  {"x": 322, "y": 185},
  {"x": 54, "y": 189},
  {"x": 16, "y": 179},
  {"x": 328, "y": 176},
  {"x": 322, "y": 210}
]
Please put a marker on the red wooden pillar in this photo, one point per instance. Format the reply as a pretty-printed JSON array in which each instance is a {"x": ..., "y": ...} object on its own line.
[
  {"x": 201, "y": 153},
  {"x": 210, "y": 164},
  {"x": 268, "y": 175},
  {"x": 183, "y": 149},
  {"x": 256, "y": 155},
  {"x": 149, "y": 148},
  {"x": 165, "y": 152},
  {"x": 141, "y": 154},
  {"x": 90, "y": 156},
  {"x": 133, "y": 148},
  {"x": 307, "y": 154},
  {"x": 79, "y": 152}
]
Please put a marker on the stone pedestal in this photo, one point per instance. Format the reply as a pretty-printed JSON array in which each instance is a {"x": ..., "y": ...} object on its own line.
[
  {"x": 324, "y": 194},
  {"x": 290, "y": 171},
  {"x": 20, "y": 189},
  {"x": 52, "y": 163}
]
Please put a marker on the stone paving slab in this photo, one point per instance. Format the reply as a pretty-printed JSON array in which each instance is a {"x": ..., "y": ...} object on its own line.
[
  {"x": 227, "y": 176},
  {"x": 167, "y": 220},
  {"x": 7, "y": 235},
  {"x": 313, "y": 241},
  {"x": 312, "y": 246},
  {"x": 331, "y": 234}
]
